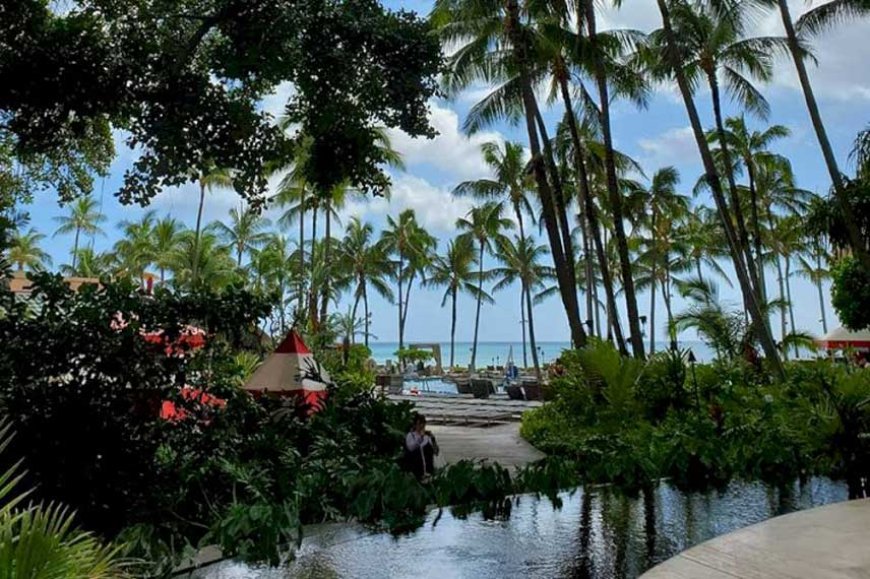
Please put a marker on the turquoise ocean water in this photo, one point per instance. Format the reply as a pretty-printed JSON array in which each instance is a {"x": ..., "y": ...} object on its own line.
[{"x": 496, "y": 353}]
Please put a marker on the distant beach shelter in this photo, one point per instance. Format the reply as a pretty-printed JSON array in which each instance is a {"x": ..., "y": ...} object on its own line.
[
  {"x": 841, "y": 338},
  {"x": 291, "y": 370}
]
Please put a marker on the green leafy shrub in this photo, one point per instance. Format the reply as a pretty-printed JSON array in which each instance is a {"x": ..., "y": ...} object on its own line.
[{"x": 850, "y": 293}]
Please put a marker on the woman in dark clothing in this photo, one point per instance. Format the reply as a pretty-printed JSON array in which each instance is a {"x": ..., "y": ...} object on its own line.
[{"x": 420, "y": 449}]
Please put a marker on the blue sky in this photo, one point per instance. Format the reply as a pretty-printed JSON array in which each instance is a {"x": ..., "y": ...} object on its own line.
[{"x": 657, "y": 136}]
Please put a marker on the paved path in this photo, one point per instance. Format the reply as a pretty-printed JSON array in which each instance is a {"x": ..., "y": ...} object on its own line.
[
  {"x": 831, "y": 542},
  {"x": 465, "y": 410},
  {"x": 501, "y": 443}
]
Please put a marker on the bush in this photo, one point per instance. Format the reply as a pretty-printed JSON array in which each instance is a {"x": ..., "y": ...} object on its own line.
[
  {"x": 629, "y": 425},
  {"x": 850, "y": 293}
]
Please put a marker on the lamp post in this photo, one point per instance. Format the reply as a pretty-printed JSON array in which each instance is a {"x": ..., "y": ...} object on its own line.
[{"x": 692, "y": 361}]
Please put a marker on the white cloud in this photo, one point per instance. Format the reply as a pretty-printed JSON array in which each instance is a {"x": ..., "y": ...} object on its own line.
[
  {"x": 456, "y": 156},
  {"x": 673, "y": 147},
  {"x": 274, "y": 103},
  {"x": 436, "y": 208}
]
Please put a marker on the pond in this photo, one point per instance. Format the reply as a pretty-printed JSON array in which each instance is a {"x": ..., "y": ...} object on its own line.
[{"x": 597, "y": 534}]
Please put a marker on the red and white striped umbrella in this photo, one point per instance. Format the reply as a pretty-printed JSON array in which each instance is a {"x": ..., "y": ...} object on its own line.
[{"x": 291, "y": 371}]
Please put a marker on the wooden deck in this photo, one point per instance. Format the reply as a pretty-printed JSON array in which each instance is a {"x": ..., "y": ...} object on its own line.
[
  {"x": 501, "y": 443},
  {"x": 824, "y": 543},
  {"x": 466, "y": 410}
]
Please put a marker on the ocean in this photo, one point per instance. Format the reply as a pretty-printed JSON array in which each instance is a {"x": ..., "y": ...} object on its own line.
[{"x": 496, "y": 353}]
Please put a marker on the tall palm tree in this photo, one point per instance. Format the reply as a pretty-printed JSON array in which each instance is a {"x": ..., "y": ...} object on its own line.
[
  {"x": 412, "y": 246},
  {"x": 484, "y": 226},
  {"x": 88, "y": 264},
  {"x": 812, "y": 267},
  {"x": 521, "y": 259},
  {"x": 165, "y": 238},
  {"x": 494, "y": 43},
  {"x": 714, "y": 47},
  {"x": 702, "y": 238},
  {"x": 216, "y": 177},
  {"x": 83, "y": 217},
  {"x": 672, "y": 59},
  {"x": 752, "y": 148},
  {"x": 665, "y": 208},
  {"x": 202, "y": 262},
  {"x": 509, "y": 183},
  {"x": 245, "y": 232},
  {"x": 25, "y": 251},
  {"x": 599, "y": 53},
  {"x": 455, "y": 272},
  {"x": 368, "y": 262},
  {"x": 134, "y": 251},
  {"x": 274, "y": 266},
  {"x": 812, "y": 23}
]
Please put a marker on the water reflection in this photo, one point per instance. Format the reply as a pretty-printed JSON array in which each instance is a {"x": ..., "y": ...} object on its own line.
[{"x": 595, "y": 535}]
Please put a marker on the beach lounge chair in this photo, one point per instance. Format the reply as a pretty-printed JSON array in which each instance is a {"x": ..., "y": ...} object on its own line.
[
  {"x": 533, "y": 390},
  {"x": 514, "y": 392},
  {"x": 463, "y": 386},
  {"x": 481, "y": 388}
]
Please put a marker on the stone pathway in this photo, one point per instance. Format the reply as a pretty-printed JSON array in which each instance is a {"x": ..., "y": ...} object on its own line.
[
  {"x": 828, "y": 542},
  {"x": 501, "y": 443}
]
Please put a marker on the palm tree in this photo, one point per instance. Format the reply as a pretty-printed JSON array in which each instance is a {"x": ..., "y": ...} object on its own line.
[
  {"x": 673, "y": 59},
  {"x": 215, "y": 177},
  {"x": 246, "y": 231},
  {"x": 522, "y": 262},
  {"x": 454, "y": 271},
  {"x": 702, "y": 238},
  {"x": 25, "y": 252},
  {"x": 202, "y": 262},
  {"x": 812, "y": 267},
  {"x": 494, "y": 43},
  {"x": 88, "y": 264},
  {"x": 412, "y": 246},
  {"x": 751, "y": 147},
  {"x": 599, "y": 54},
  {"x": 666, "y": 207},
  {"x": 714, "y": 47},
  {"x": 274, "y": 266},
  {"x": 369, "y": 264},
  {"x": 83, "y": 217},
  {"x": 812, "y": 23},
  {"x": 484, "y": 226},
  {"x": 165, "y": 237},
  {"x": 134, "y": 251},
  {"x": 509, "y": 182}
]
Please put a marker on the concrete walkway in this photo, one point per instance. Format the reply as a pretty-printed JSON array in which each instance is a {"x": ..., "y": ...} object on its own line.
[
  {"x": 501, "y": 443},
  {"x": 831, "y": 542}
]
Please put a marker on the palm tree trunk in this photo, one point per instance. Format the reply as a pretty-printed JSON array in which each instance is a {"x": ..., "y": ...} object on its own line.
[
  {"x": 698, "y": 269},
  {"x": 652, "y": 291},
  {"x": 401, "y": 297},
  {"x": 407, "y": 303},
  {"x": 523, "y": 324},
  {"x": 353, "y": 311},
  {"x": 790, "y": 303},
  {"x": 667, "y": 292},
  {"x": 327, "y": 250},
  {"x": 742, "y": 234},
  {"x": 301, "y": 247},
  {"x": 566, "y": 284},
  {"x": 821, "y": 293},
  {"x": 597, "y": 310},
  {"x": 312, "y": 296},
  {"x": 453, "y": 327},
  {"x": 782, "y": 307},
  {"x": 197, "y": 232},
  {"x": 756, "y": 226},
  {"x": 855, "y": 238},
  {"x": 366, "y": 310},
  {"x": 75, "y": 252},
  {"x": 584, "y": 202},
  {"x": 479, "y": 299},
  {"x": 636, "y": 337},
  {"x": 561, "y": 216},
  {"x": 532, "y": 341},
  {"x": 749, "y": 297},
  {"x": 652, "y": 312}
]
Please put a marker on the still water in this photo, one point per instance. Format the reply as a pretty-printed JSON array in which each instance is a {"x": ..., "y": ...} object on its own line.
[{"x": 597, "y": 534}]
